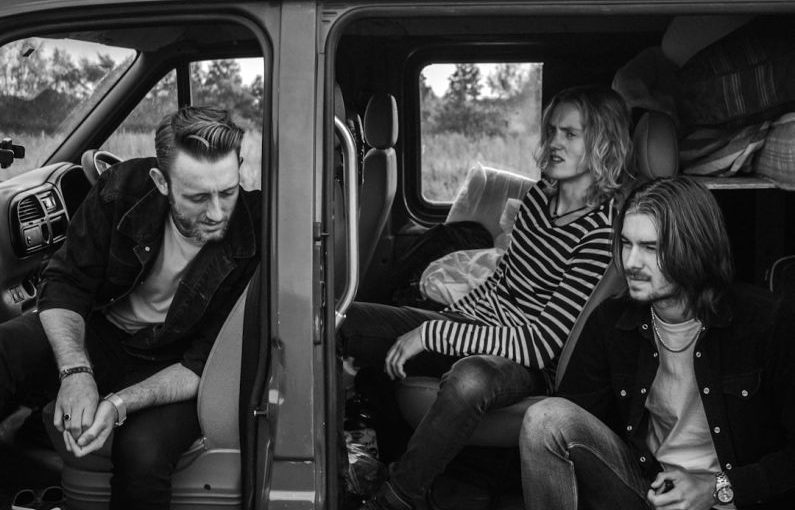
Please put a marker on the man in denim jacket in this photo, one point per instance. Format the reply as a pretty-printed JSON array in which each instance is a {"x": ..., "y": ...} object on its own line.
[
  {"x": 680, "y": 394},
  {"x": 130, "y": 305}
]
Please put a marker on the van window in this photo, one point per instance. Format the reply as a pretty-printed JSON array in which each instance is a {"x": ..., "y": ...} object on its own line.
[
  {"x": 477, "y": 113},
  {"x": 46, "y": 87},
  {"x": 233, "y": 84},
  {"x": 134, "y": 138},
  {"x": 236, "y": 85}
]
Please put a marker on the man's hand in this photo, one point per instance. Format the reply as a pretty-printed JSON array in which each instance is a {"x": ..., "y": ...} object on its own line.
[
  {"x": 405, "y": 347},
  {"x": 76, "y": 404},
  {"x": 691, "y": 491},
  {"x": 96, "y": 435}
]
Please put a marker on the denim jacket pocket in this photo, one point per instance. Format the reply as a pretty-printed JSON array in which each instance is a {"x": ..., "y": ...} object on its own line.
[{"x": 742, "y": 386}]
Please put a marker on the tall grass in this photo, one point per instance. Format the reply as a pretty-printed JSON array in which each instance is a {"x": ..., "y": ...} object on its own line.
[{"x": 447, "y": 157}]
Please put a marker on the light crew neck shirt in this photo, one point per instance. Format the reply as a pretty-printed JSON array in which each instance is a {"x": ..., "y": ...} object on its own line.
[
  {"x": 679, "y": 435},
  {"x": 148, "y": 304}
]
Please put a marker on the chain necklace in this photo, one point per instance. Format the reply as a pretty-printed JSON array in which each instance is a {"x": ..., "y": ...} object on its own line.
[
  {"x": 654, "y": 320},
  {"x": 555, "y": 216}
]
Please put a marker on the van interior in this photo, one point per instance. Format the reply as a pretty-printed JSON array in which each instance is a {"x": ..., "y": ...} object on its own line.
[{"x": 375, "y": 79}]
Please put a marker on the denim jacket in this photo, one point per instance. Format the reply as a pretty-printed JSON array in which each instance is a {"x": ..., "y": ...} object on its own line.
[
  {"x": 745, "y": 371},
  {"x": 111, "y": 245}
]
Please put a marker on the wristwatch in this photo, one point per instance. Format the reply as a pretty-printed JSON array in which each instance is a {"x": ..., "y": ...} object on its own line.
[
  {"x": 724, "y": 493},
  {"x": 121, "y": 407}
]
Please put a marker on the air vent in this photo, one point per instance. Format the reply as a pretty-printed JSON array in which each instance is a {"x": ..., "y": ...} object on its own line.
[{"x": 29, "y": 209}]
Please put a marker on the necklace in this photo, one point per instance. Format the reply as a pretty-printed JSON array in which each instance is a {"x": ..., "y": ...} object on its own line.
[
  {"x": 556, "y": 216},
  {"x": 654, "y": 320}
]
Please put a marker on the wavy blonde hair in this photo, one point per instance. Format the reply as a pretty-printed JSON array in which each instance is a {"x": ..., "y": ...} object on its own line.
[{"x": 606, "y": 124}]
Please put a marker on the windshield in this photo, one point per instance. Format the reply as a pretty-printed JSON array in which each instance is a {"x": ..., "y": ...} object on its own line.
[{"x": 46, "y": 86}]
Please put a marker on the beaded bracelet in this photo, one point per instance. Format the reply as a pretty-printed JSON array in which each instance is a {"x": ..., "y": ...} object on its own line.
[{"x": 66, "y": 372}]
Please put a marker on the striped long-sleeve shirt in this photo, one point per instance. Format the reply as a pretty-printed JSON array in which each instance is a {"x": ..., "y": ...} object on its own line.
[{"x": 525, "y": 310}]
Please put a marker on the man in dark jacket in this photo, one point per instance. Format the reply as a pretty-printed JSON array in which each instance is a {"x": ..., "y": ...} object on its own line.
[
  {"x": 679, "y": 394},
  {"x": 130, "y": 305}
]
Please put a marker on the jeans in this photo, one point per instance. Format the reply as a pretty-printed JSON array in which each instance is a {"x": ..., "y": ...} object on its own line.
[
  {"x": 146, "y": 448},
  {"x": 470, "y": 386},
  {"x": 571, "y": 460}
]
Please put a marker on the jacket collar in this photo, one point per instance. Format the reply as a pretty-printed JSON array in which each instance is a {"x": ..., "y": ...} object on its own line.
[
  {"x": 635, "y": 314},
  {"x": 144, "y": 223}
]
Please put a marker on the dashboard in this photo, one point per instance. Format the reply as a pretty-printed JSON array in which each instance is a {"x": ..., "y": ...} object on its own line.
[{"x": 35, "y": 207}]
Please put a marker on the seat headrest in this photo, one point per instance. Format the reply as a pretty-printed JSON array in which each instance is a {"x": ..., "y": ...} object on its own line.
[
  {"x": 381, "y": 121},
  {"x": 655, "y": 145}
]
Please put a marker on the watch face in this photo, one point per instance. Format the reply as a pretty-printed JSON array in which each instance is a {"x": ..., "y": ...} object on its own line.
[{"x": 725, "y": 495}]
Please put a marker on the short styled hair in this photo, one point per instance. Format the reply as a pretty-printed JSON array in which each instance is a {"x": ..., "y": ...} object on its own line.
[
  {"x": 204, "y": 132},
  {"x": 693, "y": 248},
  {"x": 606, "y": 124}
]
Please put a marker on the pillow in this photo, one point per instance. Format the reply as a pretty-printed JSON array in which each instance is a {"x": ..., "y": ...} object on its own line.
[
  {"x": 721, "y": 152},
  {"x": 483, "y": 195},
  {"x": 776, "y": 160}
]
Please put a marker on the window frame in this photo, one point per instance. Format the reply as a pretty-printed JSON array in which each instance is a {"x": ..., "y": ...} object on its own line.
[{"x": 419, "y": 209}]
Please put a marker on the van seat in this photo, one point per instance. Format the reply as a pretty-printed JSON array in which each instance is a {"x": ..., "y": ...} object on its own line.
[
  {"x": 656, "y": 155},
  {"x": 500, "y": 427},
  {"x": 208, "y": 475},
  {"x": 379, "y": 174}
]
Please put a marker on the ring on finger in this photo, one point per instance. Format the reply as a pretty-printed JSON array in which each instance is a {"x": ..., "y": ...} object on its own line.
[{"x": 66, "y": 417}]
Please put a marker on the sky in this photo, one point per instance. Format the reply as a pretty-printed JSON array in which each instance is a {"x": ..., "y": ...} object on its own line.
[{"x": 436, "y": 76}]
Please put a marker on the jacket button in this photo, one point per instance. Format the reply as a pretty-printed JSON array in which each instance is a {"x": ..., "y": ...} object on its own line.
[
  {"x": 644, "y": 327},
  {"x": 744, "y": 393},
  {"x": 643, "y": 391},
  {"x": 629, "y": 428},
  {"x": 146, "y": 248},
  {"x": 698, "y": 354},
  {"x": 717, "y": 430},
  {"x": 728, "y": 466},
  {"x": 654, "y": 355},
  {"x": 706, "y": 390},
  {"x": 623, "y": 393},
  {"x": 643, "y": 459}
]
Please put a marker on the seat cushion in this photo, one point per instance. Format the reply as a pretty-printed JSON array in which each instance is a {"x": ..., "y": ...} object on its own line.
[{"x": 99, "y": 461}]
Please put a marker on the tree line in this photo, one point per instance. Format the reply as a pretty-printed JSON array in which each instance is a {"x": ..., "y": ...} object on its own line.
[
  {"x": 41, "y": 90},
  {"x": 509, "y": 109}
]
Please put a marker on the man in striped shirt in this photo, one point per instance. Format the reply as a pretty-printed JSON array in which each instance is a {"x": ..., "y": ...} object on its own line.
[{"x": 499, "y": 343}]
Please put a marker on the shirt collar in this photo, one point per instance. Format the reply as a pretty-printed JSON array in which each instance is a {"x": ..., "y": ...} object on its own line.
[{"x": 240, "y": 238}]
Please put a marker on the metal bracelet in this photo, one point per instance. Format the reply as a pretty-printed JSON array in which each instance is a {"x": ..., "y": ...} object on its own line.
[{"x": 66, "y": 372}]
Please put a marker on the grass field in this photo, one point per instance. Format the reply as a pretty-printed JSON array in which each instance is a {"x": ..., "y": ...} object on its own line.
[{"x": 445, "y": 158}]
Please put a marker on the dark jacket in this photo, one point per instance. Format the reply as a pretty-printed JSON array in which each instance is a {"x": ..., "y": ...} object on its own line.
[
  {"x": 745, "y": 372},
  {"x": 111, "y": 245}
]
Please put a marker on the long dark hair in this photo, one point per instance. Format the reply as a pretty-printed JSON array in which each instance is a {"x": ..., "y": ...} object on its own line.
[{"x": 692, "y": 244}]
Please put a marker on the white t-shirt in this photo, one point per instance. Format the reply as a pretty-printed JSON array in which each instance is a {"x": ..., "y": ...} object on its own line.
[
  {"x": 148, "y": 304},
  {"x": 679, "y": 435}
]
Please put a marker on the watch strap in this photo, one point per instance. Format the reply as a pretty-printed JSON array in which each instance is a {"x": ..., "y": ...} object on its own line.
[
  {"x": 721, "y": 482},
  {"x": 121, "y": 407}
]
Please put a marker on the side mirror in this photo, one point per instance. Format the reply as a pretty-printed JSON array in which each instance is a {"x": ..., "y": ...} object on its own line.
[{"x": 9, "y": 152}]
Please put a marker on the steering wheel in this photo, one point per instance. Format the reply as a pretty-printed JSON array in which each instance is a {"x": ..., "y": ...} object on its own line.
[{"x": 95, "y": 161}]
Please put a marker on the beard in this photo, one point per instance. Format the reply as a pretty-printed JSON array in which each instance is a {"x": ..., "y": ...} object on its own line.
[
  {"x": 192, "y": 228},
  {"x": 667, "y": 292}
]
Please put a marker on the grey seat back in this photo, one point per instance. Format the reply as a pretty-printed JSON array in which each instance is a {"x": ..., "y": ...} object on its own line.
[{"x": 379, "y": 174}]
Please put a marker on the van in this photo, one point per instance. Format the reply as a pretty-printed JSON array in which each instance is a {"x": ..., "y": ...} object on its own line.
[{"x": 364, "y": 120}]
